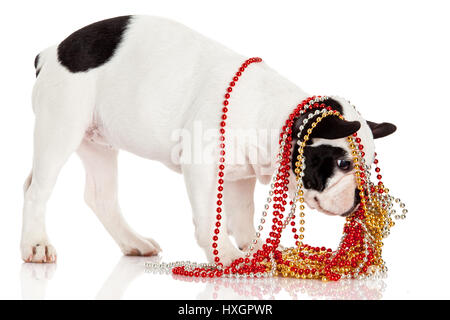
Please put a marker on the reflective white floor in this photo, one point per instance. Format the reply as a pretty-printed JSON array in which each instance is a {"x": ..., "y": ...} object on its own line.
[{"x": 36, "y": 280}]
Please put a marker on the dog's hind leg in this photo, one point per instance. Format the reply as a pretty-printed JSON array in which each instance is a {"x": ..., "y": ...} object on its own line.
[
  {"x": 63, "y": 112},
  {"x": 100, "y": 163}
]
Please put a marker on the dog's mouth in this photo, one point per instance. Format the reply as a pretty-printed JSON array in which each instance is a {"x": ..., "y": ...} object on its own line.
[
  {"x": 349, "y": 212},
  {"x": 321, "y": 209},
  {"x": 345, "y": 214},
  {"x": 355, "y": 204}
]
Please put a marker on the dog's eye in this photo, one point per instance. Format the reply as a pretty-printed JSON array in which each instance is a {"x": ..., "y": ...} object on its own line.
[{"x": 343, "y": 164}]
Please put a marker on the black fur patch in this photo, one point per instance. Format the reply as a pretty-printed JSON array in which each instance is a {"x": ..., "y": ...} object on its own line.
[
  {"x": 329, "y": 103},
  {"x": 334, "y": 104},
  {"x": 93, "y": 45},
  {"x": 36, "y": 63},
  {"x": 320, "y": 164}
]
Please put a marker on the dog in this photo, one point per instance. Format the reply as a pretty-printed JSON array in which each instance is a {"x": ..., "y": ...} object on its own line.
[{"x": 143, "y": 84}]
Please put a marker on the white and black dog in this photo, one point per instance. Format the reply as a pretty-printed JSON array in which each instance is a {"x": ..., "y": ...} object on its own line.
[{"x": 142, "y": 84}]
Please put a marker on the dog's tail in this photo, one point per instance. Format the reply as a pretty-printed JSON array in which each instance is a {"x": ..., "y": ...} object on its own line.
[
  {"x": 38, "y": 64},
  {"x": 43, "y": 58}
]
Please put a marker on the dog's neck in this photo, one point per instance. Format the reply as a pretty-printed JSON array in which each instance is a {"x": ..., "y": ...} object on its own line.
[{"x": 273, "y": 98}]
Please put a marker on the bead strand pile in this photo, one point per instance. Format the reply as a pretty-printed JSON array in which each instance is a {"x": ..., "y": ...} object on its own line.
[{"x": 359, "y": 252}]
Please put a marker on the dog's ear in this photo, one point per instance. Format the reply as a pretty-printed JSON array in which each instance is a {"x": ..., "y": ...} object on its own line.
[
  {"x": 335, "y": 128},
  {"x": 380, "y": 130},
  {"x": 328, "y": 128}
]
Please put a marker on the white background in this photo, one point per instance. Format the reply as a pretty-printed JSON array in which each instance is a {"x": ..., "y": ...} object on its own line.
[{"x": 390, "y": 58}]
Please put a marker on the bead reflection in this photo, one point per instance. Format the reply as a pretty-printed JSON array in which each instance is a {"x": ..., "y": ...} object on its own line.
[{"x": 288, "y": 288}]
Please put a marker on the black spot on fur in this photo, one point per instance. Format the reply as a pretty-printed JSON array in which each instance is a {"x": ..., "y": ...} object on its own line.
[
  {"x": 36, "y": 63},
  {"x": 93, "y": 45},
  {"x": 320, "y": 164}
]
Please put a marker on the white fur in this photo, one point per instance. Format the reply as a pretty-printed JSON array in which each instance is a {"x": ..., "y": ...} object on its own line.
[{"x": 164, "y": 77}]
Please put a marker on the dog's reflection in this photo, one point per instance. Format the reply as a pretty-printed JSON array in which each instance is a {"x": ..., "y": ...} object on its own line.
[
  {"x": 123, "y": 274},
  {"x": 35, "y": 277}
]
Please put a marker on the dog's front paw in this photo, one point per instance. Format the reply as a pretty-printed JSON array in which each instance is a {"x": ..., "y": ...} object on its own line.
[
  {"x": 41, "y": 252},
  {"x": 227, "y": 256},
  {"x": 140, "y": 246},
  {"x": 245, "y": 247}
]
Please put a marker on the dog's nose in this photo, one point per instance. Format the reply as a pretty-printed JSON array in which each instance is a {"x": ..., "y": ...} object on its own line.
[
  {"x": 308, "y": 184},
  {"x": 313, "y": 184}
]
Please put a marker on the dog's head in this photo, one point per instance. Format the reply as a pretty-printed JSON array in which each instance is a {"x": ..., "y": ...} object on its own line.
[{"x": 329, "y": 180}]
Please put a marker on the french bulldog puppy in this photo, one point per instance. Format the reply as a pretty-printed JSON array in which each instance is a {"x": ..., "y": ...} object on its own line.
[{"x": 155, "y": 88}]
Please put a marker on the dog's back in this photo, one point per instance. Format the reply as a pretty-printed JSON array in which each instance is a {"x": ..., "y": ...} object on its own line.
[{"x": 151, "y": 73}]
